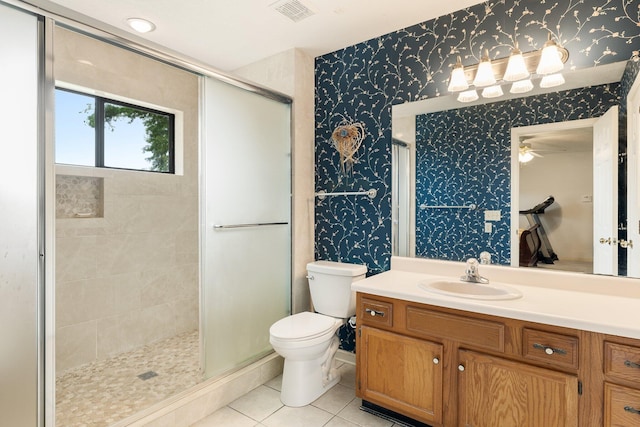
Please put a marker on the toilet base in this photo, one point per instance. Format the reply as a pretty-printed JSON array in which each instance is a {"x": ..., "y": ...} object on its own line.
[{"x": 303, "y": 381}]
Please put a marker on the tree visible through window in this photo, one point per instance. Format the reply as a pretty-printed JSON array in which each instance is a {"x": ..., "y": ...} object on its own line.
[{"x": 122, "y": 135}]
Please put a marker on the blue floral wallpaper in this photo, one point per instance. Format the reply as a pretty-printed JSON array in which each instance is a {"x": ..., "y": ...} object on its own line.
[
  {"x": 463, "y": 156},
  {"x": 360, "y": 83}
]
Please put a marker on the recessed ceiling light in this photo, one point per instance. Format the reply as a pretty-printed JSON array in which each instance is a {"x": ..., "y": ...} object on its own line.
[{"x": 141, "y": 25}]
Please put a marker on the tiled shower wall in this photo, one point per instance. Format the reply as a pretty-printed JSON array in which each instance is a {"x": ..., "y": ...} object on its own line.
[{"x": 129, "y": 277}]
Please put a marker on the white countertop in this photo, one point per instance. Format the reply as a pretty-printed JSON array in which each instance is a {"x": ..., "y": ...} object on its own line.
[{"x": 593, "y": 303}]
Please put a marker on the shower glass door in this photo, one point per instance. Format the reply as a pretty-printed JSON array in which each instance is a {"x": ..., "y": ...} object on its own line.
[
  {"x": 246, "y": 216},
  {"x": 21, "y": 267}
]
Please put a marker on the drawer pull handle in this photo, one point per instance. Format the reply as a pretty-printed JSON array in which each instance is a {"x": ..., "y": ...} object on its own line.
[
  {"x": 630, "y": 364},
  {"x": 461, "y": 367},
  {"x": 436, "y": 360},
  {"x": 549, "y": 350},
  {"x": 372, "y": 312},
  {"x": 632, "y": 410}
]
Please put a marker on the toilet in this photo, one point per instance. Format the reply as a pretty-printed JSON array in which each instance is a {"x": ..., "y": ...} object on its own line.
[{"x": 307, "y": 341}]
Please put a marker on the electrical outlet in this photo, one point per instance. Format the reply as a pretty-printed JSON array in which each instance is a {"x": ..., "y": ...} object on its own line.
[
  {"x": 492, "y": 215},
  {"x": 488, "y": 227}
]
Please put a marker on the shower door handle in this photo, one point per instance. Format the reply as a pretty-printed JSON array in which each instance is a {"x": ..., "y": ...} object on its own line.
[{"x": 257, "y": 224}]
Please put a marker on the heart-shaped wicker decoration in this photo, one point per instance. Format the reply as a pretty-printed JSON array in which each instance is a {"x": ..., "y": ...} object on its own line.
[{"x": 347, "y": 138}]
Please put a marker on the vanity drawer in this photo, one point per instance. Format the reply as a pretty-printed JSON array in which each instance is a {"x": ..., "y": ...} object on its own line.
[
  {"x": 375, "y": 312},
  {"x": 548, "y": 347},
  {"x": 468, "y": 331},
  {"x": 621, "y": 406},
  {"x": 622, "y": 361}
]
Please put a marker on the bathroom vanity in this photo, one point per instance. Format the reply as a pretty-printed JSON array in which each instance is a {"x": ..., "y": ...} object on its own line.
[{"x": 566, "y": 353}]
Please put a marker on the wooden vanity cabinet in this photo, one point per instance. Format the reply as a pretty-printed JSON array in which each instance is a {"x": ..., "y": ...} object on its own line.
[
  {"x": 447, "y": 367},
  {"x": 622, "y": 386}
]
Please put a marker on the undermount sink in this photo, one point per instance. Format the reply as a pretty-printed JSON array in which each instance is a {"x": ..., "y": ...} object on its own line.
[{"x": 458, "y": 288}]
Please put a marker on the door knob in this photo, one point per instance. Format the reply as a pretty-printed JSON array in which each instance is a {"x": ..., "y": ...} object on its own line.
[{"x": 626, "y": 244}]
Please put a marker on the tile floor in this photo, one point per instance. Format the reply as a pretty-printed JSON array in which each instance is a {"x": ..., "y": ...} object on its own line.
[{"x": 339, "y": 407}]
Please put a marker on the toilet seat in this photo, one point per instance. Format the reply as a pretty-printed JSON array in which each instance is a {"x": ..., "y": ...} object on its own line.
[{"x": 303, "y": 326}]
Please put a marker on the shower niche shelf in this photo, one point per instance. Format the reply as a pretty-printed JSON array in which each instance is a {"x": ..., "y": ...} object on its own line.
[{"x": 79, "y": 196}]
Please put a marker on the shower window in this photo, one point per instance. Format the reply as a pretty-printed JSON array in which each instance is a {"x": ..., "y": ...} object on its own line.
[{"x": 96, "y": 131}]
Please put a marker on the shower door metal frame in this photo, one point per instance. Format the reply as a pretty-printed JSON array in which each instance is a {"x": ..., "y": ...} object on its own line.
[{"x": 27, "y": 284}]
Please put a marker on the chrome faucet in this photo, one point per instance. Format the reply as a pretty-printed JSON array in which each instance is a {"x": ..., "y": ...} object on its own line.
[{"x": 471, "y": 273}]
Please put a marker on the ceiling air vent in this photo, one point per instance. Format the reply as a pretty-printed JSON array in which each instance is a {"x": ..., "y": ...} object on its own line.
[{"x": 293, "y": 9}]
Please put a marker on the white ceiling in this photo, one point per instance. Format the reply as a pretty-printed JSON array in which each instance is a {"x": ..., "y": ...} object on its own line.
[
  {"x": 228, "y": 34},
  {"x": 560, "y": 141}
]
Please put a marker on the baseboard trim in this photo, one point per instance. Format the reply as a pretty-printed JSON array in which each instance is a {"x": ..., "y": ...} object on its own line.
[
  {"x": 346, "y": 356},
  {"x": 389, "y": 415}
]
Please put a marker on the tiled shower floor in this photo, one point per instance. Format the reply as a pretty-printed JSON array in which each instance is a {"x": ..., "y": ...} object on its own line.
[{"x": 101, "y": 393}]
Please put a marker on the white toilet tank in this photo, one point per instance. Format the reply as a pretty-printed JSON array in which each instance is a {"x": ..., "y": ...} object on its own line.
[{"x": 330, "y": 286}]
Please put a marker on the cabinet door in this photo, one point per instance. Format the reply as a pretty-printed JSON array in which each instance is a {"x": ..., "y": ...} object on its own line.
[
  {"x": 402, "y": 374},
  {"x": 494, "y": 392}
]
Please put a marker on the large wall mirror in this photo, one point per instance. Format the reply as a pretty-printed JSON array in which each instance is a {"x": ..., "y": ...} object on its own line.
[{"x": 461, "y": 184}]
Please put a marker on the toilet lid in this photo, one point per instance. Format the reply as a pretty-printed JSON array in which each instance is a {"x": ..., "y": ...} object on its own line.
[{"x": 305, "y": 325}]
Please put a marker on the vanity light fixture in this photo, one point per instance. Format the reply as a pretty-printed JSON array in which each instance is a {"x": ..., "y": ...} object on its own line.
[
  {"x": 521, "y": 86},
  {"x": 468, "y": 96},
  {"x": 550, "y": 58},
  {"x": 458, "y": 81},
  {"x": 519, "y": 69},
  {"x": 141, "y": 25},
  {"x": 552, "y": 80},
  {"x": 516, "y": 68},
  {"x": 492, "y": 91},
  {"x": 484, "y": 76}
]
